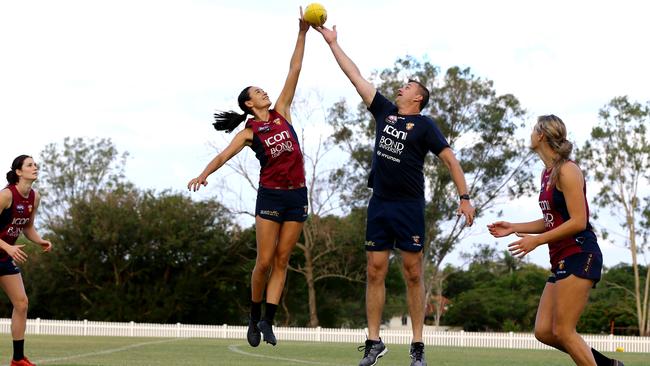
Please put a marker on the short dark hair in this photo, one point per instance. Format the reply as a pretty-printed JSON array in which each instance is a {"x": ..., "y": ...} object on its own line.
[{"x": 424, "y": 92}]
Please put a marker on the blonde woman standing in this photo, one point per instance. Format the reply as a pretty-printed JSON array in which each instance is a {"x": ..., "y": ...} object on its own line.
[{"x": 576, "y": 259}]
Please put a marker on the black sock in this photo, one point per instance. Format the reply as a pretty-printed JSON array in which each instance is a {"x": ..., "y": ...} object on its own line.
[
  {"x": 256, "y": 311},
  {"x": 601, "y": 359},
  {"x": 270, "y": 312},
  {"x": 19, "y": 350}
]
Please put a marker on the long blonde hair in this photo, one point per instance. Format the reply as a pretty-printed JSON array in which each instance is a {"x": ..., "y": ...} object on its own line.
[{"x": 552, "y": 127}]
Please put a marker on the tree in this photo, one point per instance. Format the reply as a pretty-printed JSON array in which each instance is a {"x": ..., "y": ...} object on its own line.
[
  {"x": 127, "y": 254},
  {"x": 481, "y": 128},
  {"x": 133, "y": 255},
  {"x": 618, "y": 158},
  {"x": 78, "y": 169},
  {"x": 612, "y": 305},
  {"x": 491, "y": 295},
  {"x": 328, "y": 269},
  {"x": 325, "y": 252}
]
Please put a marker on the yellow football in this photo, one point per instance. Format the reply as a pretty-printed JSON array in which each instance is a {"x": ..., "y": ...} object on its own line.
[{"x": 315, "y": 14}]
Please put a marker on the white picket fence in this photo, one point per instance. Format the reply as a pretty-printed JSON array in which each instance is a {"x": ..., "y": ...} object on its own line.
[{"x": 448, "y": 338}]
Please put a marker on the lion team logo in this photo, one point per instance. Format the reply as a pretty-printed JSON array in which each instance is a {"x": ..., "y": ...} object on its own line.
[
  {"x": 391, "y": 119},
  {"x": 277, "y": 121},
  {"x": 561, "y": 265},
  {"x": 29, "y": 209},
  {"x": 409, "y": 126},
  {"x": 416, "y": 239}
]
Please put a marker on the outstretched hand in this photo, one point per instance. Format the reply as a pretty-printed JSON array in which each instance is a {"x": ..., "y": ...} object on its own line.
[
  {"x": 196, "y": 183},
  {"x": 302, "y": 23},
  {"x": 500, "y": 229},
  {"x": 523, "y": 246},
  {"x": 329, "y": 35}
]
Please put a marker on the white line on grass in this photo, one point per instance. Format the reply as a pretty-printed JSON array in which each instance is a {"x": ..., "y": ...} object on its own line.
[
  {"x": 233, "y": 348},
  {"x": 105, "y": 352}
]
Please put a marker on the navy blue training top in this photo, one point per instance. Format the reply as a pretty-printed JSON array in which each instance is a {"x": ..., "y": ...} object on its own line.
[{"x": 401, "y": 144}]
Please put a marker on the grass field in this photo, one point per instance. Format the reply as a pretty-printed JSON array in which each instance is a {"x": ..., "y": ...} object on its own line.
[{"x": 113, "y": 351}]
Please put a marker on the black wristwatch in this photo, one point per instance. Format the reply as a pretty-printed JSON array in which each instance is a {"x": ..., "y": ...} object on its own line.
[{"x": 464, "y": 196}]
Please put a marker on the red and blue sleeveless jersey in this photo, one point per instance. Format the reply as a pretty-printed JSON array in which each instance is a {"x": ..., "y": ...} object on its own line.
[
  {"x": 14, "y": 219},
  {"x": 555, "y": 211},
  {"x": 276, "y": 147}
]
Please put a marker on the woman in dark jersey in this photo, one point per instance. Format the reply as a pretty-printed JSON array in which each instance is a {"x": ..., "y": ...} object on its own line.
[
  {"x": 576, "y": 260},
  {"x": 281, "y": 207},
  {"x": 18, "y": 205}
]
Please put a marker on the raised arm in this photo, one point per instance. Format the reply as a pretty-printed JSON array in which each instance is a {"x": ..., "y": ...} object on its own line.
[
  {"x": 243, "y": 138},
  {"x": 465, "y": 208},
  {"x": 283, "y": 104},
  {"x": 365, "y": 89}
]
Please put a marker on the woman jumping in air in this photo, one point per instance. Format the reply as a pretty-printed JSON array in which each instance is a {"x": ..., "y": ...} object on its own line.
[{"x": 281, "y": 207}]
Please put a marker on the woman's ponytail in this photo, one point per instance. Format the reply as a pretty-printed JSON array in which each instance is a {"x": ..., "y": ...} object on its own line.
[
  {"x": 228, "y": 121},
  {"x": 553, "y": 128},
  {"x": 12, "y": 177}
]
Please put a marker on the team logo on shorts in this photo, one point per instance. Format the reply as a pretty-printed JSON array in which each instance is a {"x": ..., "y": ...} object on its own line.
[
  {"x": 20, "y": 208},
  {"x": 409, "y": 126},
  {"x": 561, "y": 265},
  {"x": 391, "y": 119},
  {"x": 370, "y": 243},
  {"x": 270, "y": 213},
  {"x": 277, "y": 121},
  {"x": 588, "y": 264},
  {"x": 416, "y": 239}
]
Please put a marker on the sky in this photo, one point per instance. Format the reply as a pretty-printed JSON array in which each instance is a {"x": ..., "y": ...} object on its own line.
[{"x": 150, "y": 74}]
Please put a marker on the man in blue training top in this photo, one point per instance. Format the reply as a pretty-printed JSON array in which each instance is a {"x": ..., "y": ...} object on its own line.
[{"x": 396, "y": 209}]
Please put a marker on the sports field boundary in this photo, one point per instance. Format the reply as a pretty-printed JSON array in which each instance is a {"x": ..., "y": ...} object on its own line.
[{"x": 507, "y": 340}]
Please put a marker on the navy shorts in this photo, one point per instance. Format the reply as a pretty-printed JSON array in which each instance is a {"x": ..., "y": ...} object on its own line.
[
  {"x": 395, "y": 224},
  {"x": 583, "y": 265},
  {"x": 282, "y": 205},
  {"x": 8, "y": 267}
]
